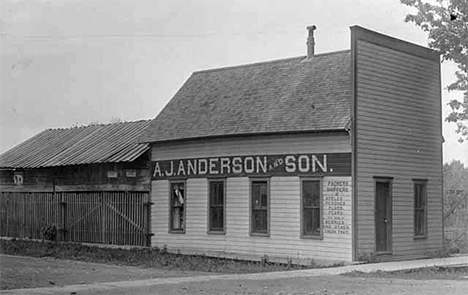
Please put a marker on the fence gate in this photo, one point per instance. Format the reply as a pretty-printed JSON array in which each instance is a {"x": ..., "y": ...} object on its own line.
[{"x": 120, "y": 218}]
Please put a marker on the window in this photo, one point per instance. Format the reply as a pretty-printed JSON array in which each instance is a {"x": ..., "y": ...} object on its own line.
[
  {"x": 311, "y": 215},
  {"x": 18, "y": 178},
  {"x": 177, "y": 207},
  {"x": 259, "y": 207},
  {"x": 420, "y": 203},
  {"x": 216, "y": 206}
]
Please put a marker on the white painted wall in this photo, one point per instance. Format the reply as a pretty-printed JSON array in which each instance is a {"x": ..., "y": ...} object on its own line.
[{"x": 284, "y": 240}]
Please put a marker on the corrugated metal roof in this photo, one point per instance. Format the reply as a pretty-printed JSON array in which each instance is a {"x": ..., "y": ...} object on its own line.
[{"x": 82, "y": 145}]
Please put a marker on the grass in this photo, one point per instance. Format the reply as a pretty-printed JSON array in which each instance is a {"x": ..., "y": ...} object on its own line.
[
  {"x": 142, "y": 257},
  {"x": 427, "y": 273}
]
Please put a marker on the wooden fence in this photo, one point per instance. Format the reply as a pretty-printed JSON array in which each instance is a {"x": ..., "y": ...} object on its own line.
[{"x": 120, "y": 218}]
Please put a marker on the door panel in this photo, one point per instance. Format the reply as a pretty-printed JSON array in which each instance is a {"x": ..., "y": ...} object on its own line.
[{"x": 383, "y": 216}]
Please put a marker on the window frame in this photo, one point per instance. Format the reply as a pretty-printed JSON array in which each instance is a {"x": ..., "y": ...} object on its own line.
[
  {"x": 302, "y": 227},
  {"x": 423, "y": 183},
  {"x": 268, "y": 207},
  {"x": 170, "y": 229},
  {"x": 210, "y": 231}
]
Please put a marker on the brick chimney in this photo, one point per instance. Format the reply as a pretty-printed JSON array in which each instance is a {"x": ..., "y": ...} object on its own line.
[{"x": 311, "y": 41}]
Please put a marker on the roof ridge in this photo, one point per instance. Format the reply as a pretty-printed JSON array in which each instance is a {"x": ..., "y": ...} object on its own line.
[
  {"x": 268, "y": 62},
  {"x": 99, "y": 124}
]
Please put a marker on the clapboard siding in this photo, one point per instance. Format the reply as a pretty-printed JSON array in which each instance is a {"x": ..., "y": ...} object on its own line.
[
  {"x": 284, "y": 240},
  {"x": 418, "y": 73},
  {"x": 252, "y": 145},
  {"x": 398, "y": 134},
  {"x": 388, "y": 99}
]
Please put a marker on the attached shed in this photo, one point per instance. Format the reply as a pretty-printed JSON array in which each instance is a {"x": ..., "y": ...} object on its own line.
[
  {"x": 91, "y": 158},
  {"x": 84, "y": 184},
  {"x": 334, "y": 156}
]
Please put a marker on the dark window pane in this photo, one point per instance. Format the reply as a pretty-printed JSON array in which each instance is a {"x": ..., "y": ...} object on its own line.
[
  {"x": 420, "y": 208},
  {"x": 216, "y": 193},
  {"x": 417, "y": 196},
  {"x": 316, "y": 194},
  {"x": 263, "y": 194},
  {"x": 260, "y": 206},
  {"x": 260, "y": 220},
  {"x": 259, "y": 195},
  {"x": 264, "y": 198},
  {"x": 311, "y": 193},
  {"x": 220, "y": 193},
  {"x": 256, "y": 221},
  {"x": 423, "y": 196},
  {"x": 216, "y": 218},
  {"x": 307, "y": 193},
  {"x": 316, "y": 221},
  {"x": 419, "y": 222},
  {"x": 307, "y": 221},
  {"x": 256, "y": 201},
  {"x": 311, "y": 219}
]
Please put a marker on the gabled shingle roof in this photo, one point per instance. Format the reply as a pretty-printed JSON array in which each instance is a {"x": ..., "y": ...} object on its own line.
[
  {"x": 289, "y": 95},
  {"x": 81, "y": 145}
]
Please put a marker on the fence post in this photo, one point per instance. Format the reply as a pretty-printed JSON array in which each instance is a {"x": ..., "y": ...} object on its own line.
[
  {"x": 63, "y": 216},
  {"x": 23, "y": 218},
  {"x": 103, "y": 219},
  {"x": 147, "y": 206}
]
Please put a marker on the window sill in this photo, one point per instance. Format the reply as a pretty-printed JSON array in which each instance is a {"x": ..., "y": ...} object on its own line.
[
  {"x": 383, "y": 253},
  {"x": 264, "y": 235},
  {"x": 421, "y": 237},
  {"x": 174, "y": 231},
  {"x": 310, "y": 237},
  {"x": 217, "y": 233}
]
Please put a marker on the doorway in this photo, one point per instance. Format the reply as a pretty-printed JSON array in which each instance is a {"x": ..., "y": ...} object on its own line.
[{"x": 383, "y": 215}]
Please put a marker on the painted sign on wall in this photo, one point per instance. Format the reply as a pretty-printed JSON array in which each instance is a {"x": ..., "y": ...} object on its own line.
[
  {"x": 338, "y": 164},
  {"x": 337, "y": 205}
]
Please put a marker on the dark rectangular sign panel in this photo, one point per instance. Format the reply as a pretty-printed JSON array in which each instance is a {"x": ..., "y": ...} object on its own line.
[{"x": 332, "y": 164}]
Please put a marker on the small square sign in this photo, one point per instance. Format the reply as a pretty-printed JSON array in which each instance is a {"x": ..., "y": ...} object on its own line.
[
  {"x": 130, "y": 173},
  {"x": 112, "y": 174}
]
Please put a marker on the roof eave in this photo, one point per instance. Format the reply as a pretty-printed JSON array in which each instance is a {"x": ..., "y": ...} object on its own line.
[{"x": 322, "y": 131}]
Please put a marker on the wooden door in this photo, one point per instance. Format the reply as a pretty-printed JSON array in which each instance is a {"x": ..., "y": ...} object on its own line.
[{"x": 383, "y": 216}]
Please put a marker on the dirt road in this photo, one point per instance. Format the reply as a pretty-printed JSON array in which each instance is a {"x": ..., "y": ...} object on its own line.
[
  {"x": 23, "y": 272},
  {"x": 18, "y": 272},
  {"x": 322, "y": 285}
]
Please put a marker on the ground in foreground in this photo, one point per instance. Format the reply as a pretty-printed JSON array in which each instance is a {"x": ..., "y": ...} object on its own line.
[
  {"x": 27, "y": 272},
  {"x": 18, "y": 272}
]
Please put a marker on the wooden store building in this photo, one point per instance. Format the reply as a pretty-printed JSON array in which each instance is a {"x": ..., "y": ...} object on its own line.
[{"x": 334, "y": 156}]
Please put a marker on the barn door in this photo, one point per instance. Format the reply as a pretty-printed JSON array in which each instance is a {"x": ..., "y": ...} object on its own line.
[
  {"x": 383, "y": 216},
  {"x": 117, "y": 217}
]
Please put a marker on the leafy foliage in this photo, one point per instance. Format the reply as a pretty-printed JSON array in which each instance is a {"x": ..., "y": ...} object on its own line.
[
  {"x": 446, "y": 21},
  {"x": 455, "y": 206}
]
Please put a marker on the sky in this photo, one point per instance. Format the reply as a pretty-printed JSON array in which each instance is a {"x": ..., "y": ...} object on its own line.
[{"x": 67, "y": 63}]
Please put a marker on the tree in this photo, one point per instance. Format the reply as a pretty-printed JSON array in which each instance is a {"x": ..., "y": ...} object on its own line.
[
  {"x": 455, "y": 206},
  {"x": 446, "y": 21},
  {"x": 455, "y": 185}
]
